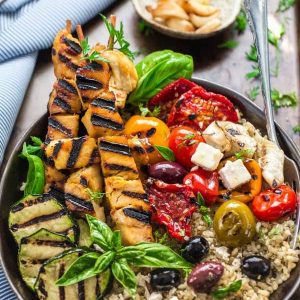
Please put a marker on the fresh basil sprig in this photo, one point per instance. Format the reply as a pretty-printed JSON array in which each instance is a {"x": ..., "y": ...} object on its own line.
[
  {"x": 222, "y": 293},
  {"x": 165, "y": 152},
  {"x": 119, "y": 258},
  {"x": 203, "y": 209}
]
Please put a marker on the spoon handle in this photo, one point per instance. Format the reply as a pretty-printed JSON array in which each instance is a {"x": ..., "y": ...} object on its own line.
[{"x": 257, "y": 16}]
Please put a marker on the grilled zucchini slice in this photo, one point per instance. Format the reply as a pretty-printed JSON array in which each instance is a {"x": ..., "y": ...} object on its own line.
[
  {"x": 42, "y": 211},
  {"x": 84, "y": 234},
  {"x": 38, "y": 248},
  {"x": 90, "y": 289}
]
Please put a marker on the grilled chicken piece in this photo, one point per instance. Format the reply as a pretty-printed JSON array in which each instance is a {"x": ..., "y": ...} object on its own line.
[
  {"x": 54, "y": 179},
  {"x": 72, "y": 153},
  {"x": 121, "y": 193},
  {"x": 230, "y": 138},
  {"x": 62, "y": 126},
  {"x": 116, "y": 158},
  {"x": 124, "y": 76},
  {"x": 64, "y": 98},
  {"x": 77, "y": 195},
  {"x": 133, "y": 224},
  {"x": 102, "y": 118},
  {"x": 91, "y": 80},
  {"x": 66, "y": 54}
]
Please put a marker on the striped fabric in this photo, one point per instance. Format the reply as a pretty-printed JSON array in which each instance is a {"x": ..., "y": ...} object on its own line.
[{"x": 27, "y": 26}]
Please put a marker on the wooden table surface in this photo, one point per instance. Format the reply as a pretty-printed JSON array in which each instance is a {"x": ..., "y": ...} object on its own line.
[{"x": 227, "y": 67}]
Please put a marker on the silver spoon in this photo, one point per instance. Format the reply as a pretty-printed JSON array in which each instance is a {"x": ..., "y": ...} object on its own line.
[{"x": 257, "y": 15}]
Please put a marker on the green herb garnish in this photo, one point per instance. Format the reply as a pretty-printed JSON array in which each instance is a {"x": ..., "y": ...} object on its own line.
[
  {"x": 146, "y": 111},
  {"x": 254, "y": 92},
  {"x": 87, "y": 54},
  {"x": 203, "y": 209},
  {"x": 230, "y": 44},
  {"x": 241, "y": 22},
  {"x": 252, "y": 54},
  {"x": 274, "y": 38},
  {"x": 96, "y": 196},
  {"x": 117, "y": 37},
  {"x": 284, "y": 5},
  {"x": 34, "y": 148},
  {"x": 165, "y": 152},
  {"x": 283, "y": 100},
  {"x": 296, "y": 128},
  {"x": 224, "y": 292},
  {"x": 254, "y": 73},
  {"x": 243, "y": 154},
  {"x": 119, "y": 258}
]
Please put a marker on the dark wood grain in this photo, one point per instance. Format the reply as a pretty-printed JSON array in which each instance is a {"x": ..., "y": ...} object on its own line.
[{"x": 227, "y": 67}]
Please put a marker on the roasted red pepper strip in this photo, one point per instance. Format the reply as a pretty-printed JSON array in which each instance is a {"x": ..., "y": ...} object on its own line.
[
  {"x": 173, "y": 206},
  {"x": 169, "y": 95},
  {"x": 198, "y": 108}
]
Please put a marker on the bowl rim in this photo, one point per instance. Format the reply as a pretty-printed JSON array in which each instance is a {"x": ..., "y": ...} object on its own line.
[
  {"x": 182, "y": 34},
  {"x": 220, "y": 87}
]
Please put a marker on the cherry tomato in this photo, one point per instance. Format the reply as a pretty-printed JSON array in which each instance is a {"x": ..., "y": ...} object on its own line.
[
  {"x": 184, "y": 141},
  {"x": 272, "y": 204},
  {"x": 204, "y": 182},
  {"x": 151, "y": 131},
  {"x": 198, "y": 108}
]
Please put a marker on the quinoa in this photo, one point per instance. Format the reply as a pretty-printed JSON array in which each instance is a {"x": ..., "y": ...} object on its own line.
[{"x": 270, "y": 243}]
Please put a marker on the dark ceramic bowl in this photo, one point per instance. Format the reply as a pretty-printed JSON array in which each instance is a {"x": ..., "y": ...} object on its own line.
[{"x": 15, "y": 173}]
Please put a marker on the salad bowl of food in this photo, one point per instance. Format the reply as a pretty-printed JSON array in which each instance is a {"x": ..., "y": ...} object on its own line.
[{"x": 152, "y": 187}]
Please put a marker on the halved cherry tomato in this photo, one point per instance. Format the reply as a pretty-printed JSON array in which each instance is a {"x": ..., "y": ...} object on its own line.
[
  {"x": 273, "y": 204},
  {"x": 151, "y": 131},
  {"x": 184, "y": 141},
  {"x": 169, "y": 95},
  {"x": 198, "y": 108},
  {"x": 204, "y": 182}
]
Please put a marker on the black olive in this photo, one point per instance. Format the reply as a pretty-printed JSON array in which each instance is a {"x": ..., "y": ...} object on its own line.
[
  {"x": 256, "y": 267},
  {"x": 164, "y": 279},
  {"x": 195, "y": 249}
]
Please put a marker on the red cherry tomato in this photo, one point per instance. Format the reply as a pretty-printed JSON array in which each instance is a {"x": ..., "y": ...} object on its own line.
[
  {"x": 204, "y": 182},
  {"x": 272, "y": 204},
  {"x": 198, "y": 108},
  {"x": 184, "y": 141}
]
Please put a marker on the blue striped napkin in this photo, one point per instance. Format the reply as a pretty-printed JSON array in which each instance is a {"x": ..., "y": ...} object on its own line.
[{"x": 27, "y": 26}]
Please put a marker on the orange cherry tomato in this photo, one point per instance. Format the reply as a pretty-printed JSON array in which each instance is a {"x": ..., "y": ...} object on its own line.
[{"x": 152, "y": 132}]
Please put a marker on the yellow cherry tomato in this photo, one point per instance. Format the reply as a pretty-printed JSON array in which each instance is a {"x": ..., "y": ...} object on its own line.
[{"x": 151, "y": 131}]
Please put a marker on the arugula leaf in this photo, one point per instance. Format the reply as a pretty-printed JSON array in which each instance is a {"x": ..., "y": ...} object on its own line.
[
  {"x": 254, "y": 73},
  {"x": 284, "y": 5},
  {"x": 157, "y": 255},
  {"x": 241, "y": 22},
  {"x": 243, "y": 153},
  {"x": 101, "y": 233},
  {"x": 224, "y": 292},
  {"x": 252, "y": 54},
  {"x": 283, "y": 100},
  {"x": 296, "y": 129},
  {"x": 146, "y": 111},
  {"x": 165, "y": 152},
  {"x": 230, "y": 44},
  {"x": 96, "y": 196},
  {"x": 117, "y": 36},
  {"x": 82, "y": 268},
  {"x": 203, "y": 209},
  {"x": 95, "y": 55},
  {"x": 145, "y": 28},
  {"x": 123, "y": 273},
  {"x": 156, "y": 71},
  {"x": 254, "y": 92}
]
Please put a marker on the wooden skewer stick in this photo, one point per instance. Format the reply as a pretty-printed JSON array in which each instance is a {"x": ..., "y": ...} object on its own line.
[
  {"x": 80, "y": 33},
  {"x": 111, "y": 42},
  {"x": 69, "y": 26}
]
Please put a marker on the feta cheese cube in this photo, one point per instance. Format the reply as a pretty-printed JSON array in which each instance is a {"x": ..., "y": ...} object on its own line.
[
  {"x": 234, "y": 174},
  {"x": 207, "y": 157}
]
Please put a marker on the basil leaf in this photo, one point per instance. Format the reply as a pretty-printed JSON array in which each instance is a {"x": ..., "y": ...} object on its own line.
[
  {"x": 165, "y": 152},
  {"x": 101, "y": 233},
  {"x": 131, "y": 252},
  {"x": 116, "y": 240},
  {"x": 224, "y": 292},
  {"x": 123, "y": 273},
  {"x": 80, "y": 269},
  {"x": 158, "y": 255},
  {"x": 157, "y": 70}
]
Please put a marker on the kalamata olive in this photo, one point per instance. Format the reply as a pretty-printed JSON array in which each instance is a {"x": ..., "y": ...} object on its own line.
[
  {"x": 205, "y": 276},
  {"x": 169, "y": 172},
  {"x": 256, "y": 266},
  {"x": 195, "y": 249},
  {"x": 164, "y": 279}
]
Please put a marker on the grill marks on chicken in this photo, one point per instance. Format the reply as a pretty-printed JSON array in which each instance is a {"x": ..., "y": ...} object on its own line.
[
  {"x": 102, "y": 118},
  {"x": 62, "y": 126},
  {"x": 72, "y": 153}
]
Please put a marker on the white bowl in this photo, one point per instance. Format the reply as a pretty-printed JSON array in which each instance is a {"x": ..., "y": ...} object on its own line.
[{"x": 229, "y": 11}]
